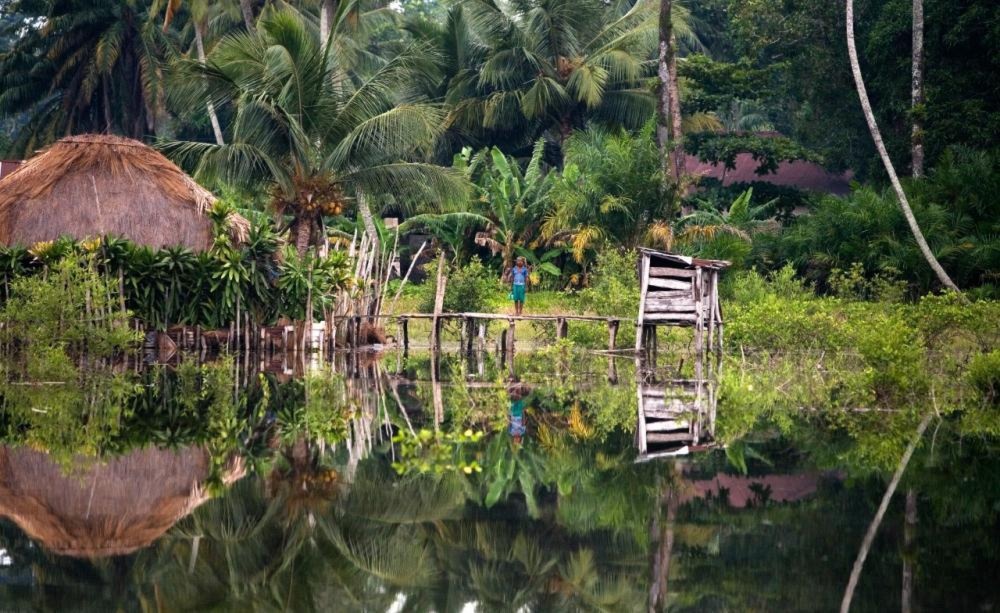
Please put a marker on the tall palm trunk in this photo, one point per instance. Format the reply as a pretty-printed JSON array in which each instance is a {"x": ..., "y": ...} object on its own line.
[
  {"x": 663, "y": 547},
  {"x": 303, "y": 235},
  {"x": 663, "y": 98},
  {"x": 917, "y": 91},
  {"x": 326, "y": 12},
  {"x": 199, "y": 42},
  {"x": 866, "y": 107},
  {"x": 247, "y": 11},
  {"x": 909, "y": 549},
  {"x": 675, "y": 111},
  {"x": 366, "y": 217},
  {"x": 668, "y": 128}
]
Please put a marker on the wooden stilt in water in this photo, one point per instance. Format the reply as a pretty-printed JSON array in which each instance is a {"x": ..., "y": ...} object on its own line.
[{"x": 612, "y": 334}]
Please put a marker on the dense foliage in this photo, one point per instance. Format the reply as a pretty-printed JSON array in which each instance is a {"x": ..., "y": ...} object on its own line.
[{"x": 542, "y": 107}]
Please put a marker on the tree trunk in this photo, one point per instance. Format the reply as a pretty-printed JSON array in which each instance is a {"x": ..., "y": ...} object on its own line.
[
  {"x": 663, "y": 550},
  {"x": 866, "y": 543},
  {"x": 368, "y": 220},
  {"x": 909, "y": 549},
  {"x": 663, "y": 99},
  {"x": 199, "y": 41},
  {"x": 247, "y": 11},
  {"x": 675, "y": 111},
  {"x": 866, "y": 107},
  {"x": 326, "y": 13},
  {"x": 917, "y": 91},
  {"x": 303, "y": 235}
]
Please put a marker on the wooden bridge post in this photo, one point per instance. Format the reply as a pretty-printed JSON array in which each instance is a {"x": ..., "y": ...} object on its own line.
[
  {"x": 562, "y": 328},
  {"x": 404, "y": 326},
  {"x": 468, "y": 331},
  {"x": 612, "y": 334},
  {"x": 482, "y": 335},
  {"x": 510, "y": 338}
]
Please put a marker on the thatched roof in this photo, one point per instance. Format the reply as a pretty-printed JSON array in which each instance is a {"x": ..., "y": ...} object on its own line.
[
  {"x": 102, "y": 508},
  {"x": 94, "y": 185}
]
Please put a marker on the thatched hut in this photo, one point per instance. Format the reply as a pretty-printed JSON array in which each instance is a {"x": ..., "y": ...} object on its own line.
[
  {"x": 103, "y": 508},
  {"x": 95, "y": 185}
]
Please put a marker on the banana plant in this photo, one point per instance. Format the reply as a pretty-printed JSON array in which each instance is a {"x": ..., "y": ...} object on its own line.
[
  {"x": 509, "y": 469},
  {"x": 515, "y": 201}
]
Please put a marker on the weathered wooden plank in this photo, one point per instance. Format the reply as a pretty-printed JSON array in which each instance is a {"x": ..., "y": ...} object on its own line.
[
  {"x": 653, "y": 301},
  {"x": 644, "y": 280},
  {"x": 670, "y": 317},
  {"x": 669, "y": 283},
  {"x": 665, "y": 294},
  {"x": 669, "y": 308},
  {"x": 673, "y": 404},
  {"x": 667, "y": 438},
  {"x": 667, "y": 425},
  {"x": 683, "y": 415},
  {"x": 658, "y": 271},
  {"x": 681, "y": 390}
]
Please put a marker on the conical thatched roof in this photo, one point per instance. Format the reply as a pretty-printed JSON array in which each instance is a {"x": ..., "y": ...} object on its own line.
[
  {"x": 102, "y": 508},
  {"x": 94, "y": 185}
]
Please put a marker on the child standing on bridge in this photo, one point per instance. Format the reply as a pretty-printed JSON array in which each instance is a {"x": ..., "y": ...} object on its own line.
[{"x": 518, "y": 279}]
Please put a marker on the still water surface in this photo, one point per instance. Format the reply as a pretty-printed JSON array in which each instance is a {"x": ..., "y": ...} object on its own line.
[{"x": 449, "y": 486}]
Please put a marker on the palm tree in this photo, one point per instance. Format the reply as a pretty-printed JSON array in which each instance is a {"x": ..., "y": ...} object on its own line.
[
  {"x": 610, "y": 189},
  {"x": 550, "y": 65},
  {"x": 316, "y": 132},
  {"x": 742, "y": 220},
  {"x": 866, "y": 107},
  {"x": 85, "y": 66}
]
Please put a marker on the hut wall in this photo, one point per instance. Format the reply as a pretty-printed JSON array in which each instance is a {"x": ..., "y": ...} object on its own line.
[{"x": 104, "y": 204}]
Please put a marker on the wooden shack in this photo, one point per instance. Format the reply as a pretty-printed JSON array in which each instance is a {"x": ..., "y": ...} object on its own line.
[{"x": 677, "y": 290}]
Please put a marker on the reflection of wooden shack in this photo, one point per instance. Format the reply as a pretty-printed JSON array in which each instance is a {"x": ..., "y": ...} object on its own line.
[{"x": 674, "y": 417}]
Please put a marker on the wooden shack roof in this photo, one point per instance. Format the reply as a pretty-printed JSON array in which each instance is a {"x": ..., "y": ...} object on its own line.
[{"x": 686, "y": 261}]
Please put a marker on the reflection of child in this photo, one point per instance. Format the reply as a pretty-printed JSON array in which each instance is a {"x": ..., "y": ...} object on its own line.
[
  {"x": 517, "y": 428},
  {"x": 517, "y": 393}
]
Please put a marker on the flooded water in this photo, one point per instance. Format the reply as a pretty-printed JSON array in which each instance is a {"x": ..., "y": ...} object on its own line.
[{"x": 565, "y": 482}]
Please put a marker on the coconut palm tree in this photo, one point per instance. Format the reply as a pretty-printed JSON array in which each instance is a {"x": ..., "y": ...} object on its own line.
[
  {"x": 317, "y": 133},
  {"x": 85, "y": 66},
  {"x": 609, "y": 190},
  {"x": 551, "y": 65}
]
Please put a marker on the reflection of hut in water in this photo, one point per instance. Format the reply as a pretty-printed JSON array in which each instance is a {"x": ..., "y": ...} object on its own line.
[
  {"x": 95, "y": 185},
  {"x": 674, "y": 418},
  {"x": 101, "y": 509}
]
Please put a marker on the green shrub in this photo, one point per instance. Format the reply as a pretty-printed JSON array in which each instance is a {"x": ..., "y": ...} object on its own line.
[
  {"x": 614, "y": 284},
  {"x": 984, "y": 377},
  {"x": 854, "y": 284},
  {"x": 469, "y": 288},
  {"x": 750, "y": 286}
]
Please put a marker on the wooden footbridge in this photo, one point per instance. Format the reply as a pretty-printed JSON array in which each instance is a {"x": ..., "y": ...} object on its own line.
[{"x": 473, "y": 327}]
